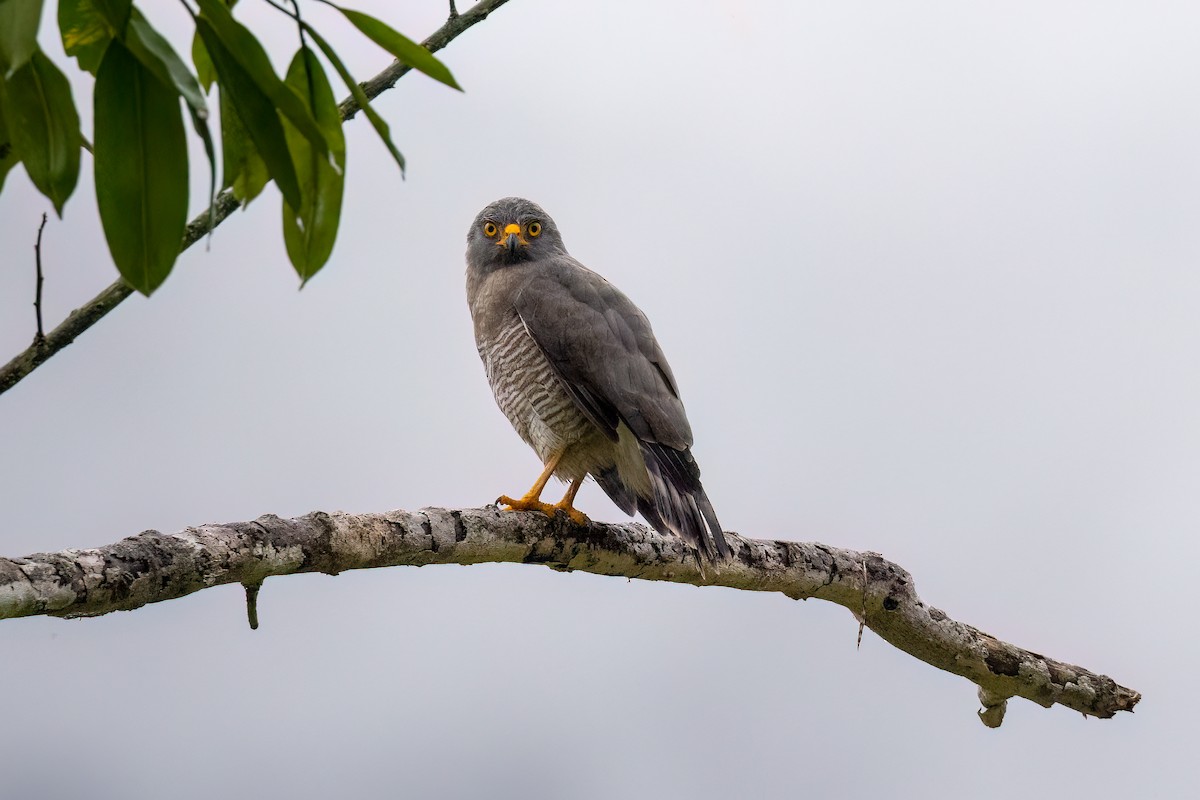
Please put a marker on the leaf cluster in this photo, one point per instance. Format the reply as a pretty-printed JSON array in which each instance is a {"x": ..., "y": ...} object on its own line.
[{"x": 285, "y": 129}]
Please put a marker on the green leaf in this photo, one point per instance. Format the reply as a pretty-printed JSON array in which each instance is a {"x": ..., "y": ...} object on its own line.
[
  {"x": 44, "y": 127},
  {"x": 404, "y": 49},
  {"x": 156, "y": 54},
  {"x": 243, "y": 47},
  {"x": 310, "y": 231},
  {"x": 243, "y": 168},
  {"x": 8, "y": 153},
  {"x": 141, "y": 168},
  {"x": 18, "y": 33},
  {"x": 116, "y": 13},
  {"x": 357, "y": 93},
  {"x": 85, "y": 32},
  {"x": 257, "y": 113},
  {"x": 204, "y": 65}
]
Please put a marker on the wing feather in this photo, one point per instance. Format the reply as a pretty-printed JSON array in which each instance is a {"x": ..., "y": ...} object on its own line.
[
  {"x": 602, "y": 348},
  {"x": 603, "y": 351}
]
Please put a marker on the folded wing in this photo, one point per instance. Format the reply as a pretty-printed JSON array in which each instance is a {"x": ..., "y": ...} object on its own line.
[{"x": 602, "y": 349}]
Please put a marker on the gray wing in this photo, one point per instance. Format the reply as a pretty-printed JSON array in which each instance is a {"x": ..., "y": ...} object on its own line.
[{"x": 602, "y": 348}]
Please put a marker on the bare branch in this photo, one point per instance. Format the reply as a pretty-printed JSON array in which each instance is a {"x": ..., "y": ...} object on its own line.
[
  {"x": 94, "y": 310},
  {"x": 152, "y": 567}
]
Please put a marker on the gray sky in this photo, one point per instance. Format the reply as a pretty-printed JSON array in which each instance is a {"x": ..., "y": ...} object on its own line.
[{"x": 927, "y": 275}]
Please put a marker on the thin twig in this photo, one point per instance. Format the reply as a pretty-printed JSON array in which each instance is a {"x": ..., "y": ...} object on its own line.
[
  {"x": 294, "y": 14},
  {"x": 95, "y": 309},
  {"x": 39, "y": 338},
  {"x": 300, "y": 30},
  {"x": 437, "y": 40}
]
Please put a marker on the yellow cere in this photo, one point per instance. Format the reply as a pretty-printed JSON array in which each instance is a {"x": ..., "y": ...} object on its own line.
[{"x": 512, "y": 227}]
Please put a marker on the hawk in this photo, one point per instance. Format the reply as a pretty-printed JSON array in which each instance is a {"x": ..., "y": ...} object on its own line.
[{"x": 575, "y": 367}]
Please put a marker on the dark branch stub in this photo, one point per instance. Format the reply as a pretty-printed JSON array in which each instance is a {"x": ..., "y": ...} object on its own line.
[
  {"x": 994, "y": 706},
  {"x": 252, "y": 603},
  {"x": 39, "y": 338},
  {"x": 862, "y": 618}
]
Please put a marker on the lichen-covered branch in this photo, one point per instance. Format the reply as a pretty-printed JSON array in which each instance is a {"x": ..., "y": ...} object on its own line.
[
  {"x": 95, "y": 309},
  {"x": 154, "y": 566}
]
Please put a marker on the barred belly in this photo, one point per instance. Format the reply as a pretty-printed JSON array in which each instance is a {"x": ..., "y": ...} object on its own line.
[{"x": 536, "y": 403}]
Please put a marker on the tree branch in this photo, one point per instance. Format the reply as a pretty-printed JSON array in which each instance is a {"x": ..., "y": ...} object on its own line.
[
  {"x": 152, "y": 567},
  {"x": 94, "y": 310}
]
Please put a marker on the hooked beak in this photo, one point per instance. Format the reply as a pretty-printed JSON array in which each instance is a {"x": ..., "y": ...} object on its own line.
[{"x": 512, "y": 238}]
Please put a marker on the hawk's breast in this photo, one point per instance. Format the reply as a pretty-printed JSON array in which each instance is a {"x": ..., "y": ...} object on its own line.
[{"x": 529, "y": 393}]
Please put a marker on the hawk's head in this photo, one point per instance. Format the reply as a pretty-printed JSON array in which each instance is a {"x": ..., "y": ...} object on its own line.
[{"x": 509, "y": 231}]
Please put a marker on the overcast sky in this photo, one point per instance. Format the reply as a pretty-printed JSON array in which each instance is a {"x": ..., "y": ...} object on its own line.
[{"x": 927, "y": 275}]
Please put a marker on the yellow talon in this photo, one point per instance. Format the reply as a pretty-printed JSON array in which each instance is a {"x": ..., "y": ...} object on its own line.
[
  {"x": 573, "y": 514},
  {"x": 525, "y": 504},
  {"x": 532, "y": 499},
  {"x": 533, "y": 504}
]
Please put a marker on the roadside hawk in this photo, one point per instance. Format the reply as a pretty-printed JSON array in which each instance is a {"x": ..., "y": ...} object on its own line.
[{"x": 575, "y": 367}]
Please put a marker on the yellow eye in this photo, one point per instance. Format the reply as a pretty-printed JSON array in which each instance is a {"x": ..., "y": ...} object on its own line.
[
  {"x": 535, "y": 229},
  {"x": 490, "y": 229}
]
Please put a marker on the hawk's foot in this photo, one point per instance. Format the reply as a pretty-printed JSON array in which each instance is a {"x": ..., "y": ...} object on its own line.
[
  {"x": 525, "y": 503},
  {"x": 573, "y": 514},
  {"x": 528, "y": 503}
]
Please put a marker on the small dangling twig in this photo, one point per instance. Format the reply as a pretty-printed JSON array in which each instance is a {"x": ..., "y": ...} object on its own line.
[
  {"x": 862, "y": 618},
  {"x": 252, "y": 603},
  {"x": 994, "y": 705}
]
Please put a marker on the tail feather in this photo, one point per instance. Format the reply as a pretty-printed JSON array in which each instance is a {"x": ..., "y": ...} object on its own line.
[
  {"x": 610, "y": 481},
  {"x": 678, "y": 503}
]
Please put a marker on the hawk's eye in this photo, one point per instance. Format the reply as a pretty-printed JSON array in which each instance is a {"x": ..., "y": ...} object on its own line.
[
  {"x": 535, "y": 229},
  {"x": 489, "y": 229}
]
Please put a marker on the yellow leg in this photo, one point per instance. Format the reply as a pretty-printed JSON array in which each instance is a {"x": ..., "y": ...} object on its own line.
[
  {"x": 577, "y": 516},
  {"x": 532, "y": 500}
]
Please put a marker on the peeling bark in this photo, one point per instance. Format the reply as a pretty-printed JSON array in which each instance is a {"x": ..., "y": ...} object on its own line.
[{"x": 152, "y": 566}]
